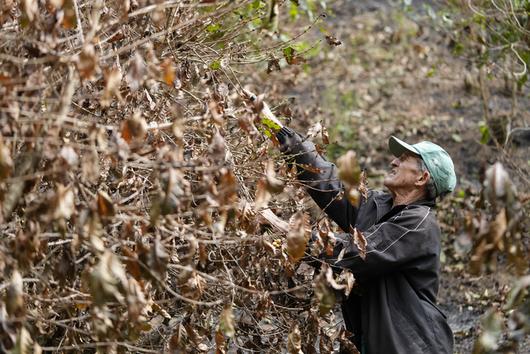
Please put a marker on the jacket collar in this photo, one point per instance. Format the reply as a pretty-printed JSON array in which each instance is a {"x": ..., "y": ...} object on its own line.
[
  {"x": 427, "y": 202},
  {"x": 385, "y": 211}
]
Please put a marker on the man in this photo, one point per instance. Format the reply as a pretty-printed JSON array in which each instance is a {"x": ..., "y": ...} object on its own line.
[{"x": 395, "y": 309}]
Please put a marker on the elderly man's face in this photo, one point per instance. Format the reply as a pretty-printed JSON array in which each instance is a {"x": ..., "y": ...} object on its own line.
[{"x": 404, "y": 173}]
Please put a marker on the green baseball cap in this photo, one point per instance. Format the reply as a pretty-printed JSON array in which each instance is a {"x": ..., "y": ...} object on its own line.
[{"x": 436, "y": 159}]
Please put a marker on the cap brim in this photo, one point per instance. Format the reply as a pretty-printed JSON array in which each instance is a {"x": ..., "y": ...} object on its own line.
[{"x": 399, "y": 147}]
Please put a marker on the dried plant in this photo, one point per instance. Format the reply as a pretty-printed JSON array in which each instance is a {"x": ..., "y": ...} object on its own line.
[{"x": 138, "y": 194}]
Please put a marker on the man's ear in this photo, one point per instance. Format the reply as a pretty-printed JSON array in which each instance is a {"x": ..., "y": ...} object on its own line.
[{"x": 423, "y": 179}]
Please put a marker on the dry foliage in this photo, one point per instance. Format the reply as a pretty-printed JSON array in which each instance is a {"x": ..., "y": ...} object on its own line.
[
  {"x": 496, "y": 228},
  {"x": 135, "y": 184}
]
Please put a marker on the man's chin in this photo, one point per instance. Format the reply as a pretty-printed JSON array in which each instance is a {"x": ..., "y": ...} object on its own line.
[{"x": 387, "y": 182}]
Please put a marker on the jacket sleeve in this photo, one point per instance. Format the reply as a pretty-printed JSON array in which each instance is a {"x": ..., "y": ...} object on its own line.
[
  {"x": 409, "y": 235},
  {"x": 320, "y": 178}
]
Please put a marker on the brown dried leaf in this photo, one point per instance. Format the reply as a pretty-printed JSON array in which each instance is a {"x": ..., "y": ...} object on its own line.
[
  {"x": 294, "y": 340},
  {"x": 136, "y": 300},
  {"x": 262, "y": 195},
  {"x": 14, "y": 299},
  {"x": 131, "y": 263},
  {"x": 158, "y": 259},
  {"x": 332, "y": 41},
  {"x": 310, "y": 168},
  {"x": 203, "y": 255},
  {"x": 325, "y": 135},
  {"x": 346, "y": 346},
  {"x": 105, "y": 206},
  {"x": 314, "y": 130},
  {"x": 345, "y": 281},
  {"x": 274, "y": 185},
  {"x": 323, "y": 292},
  {"x": 6, "y": 163},
  {"x": 63, "y": 203},
  {"x": 497, "y": 182},
  {"x": 90, "y": 170},
  {"x": 497, "y": 229},
  {"x": 217, "y": 112},
  {"x": 69, "y": 18},
  {"x": 354, "y": 196},
  {"x": 273, "y": 64},
  {"x": 175, "y": 342},
  {"x": 359, "y": 240},
  {"x": 194, "y": 286},
  {"x": 220, "y": 343},
  {"x": 30, "y": 9},
  {"x": 134, "y": 130},
  {"x": 25, "y": 344},
  {"x": 27, "y": 246},
  {"x": 136, "y": 73},
  {"x": 492, "y": 326},
  {"x": 217, "y": 146},
  {"x": 348, "y": 280},
  {"x": 325, "y": 343},
  {"x": 292, "y": 57},
  {"x": 297, "y": 236},
  {"x": 69, "y": 156},
  {"x": 349, "y": 169},
  {"x": 226, "y": 322},
  {"x": 363, "y": 185},
  {"x": 108, "y": 280},
  {"x": 87, "y": 62},
  {"x": 192, "y": 334},
  {"x": 227, "y": 187},
  {"x": 168, "y": 71},
  {"x": 112, "y": 86},
  {"x": 490, "y": 239}
]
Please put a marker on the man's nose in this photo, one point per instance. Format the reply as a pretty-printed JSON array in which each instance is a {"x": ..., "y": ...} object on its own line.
[{"x": 394, "y": 162}]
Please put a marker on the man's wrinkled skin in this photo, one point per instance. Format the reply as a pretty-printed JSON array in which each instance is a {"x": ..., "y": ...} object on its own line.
[{"x": 405, "y": 181}]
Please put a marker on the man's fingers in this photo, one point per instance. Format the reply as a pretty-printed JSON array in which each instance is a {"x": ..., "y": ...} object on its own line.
[
  {"x": 287, "y": 131},
  {"x": 288, "y": 139},
  {"x": 281, "y": 138}
]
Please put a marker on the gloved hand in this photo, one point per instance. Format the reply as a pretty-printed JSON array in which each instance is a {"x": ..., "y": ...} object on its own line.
[{"x": 290, "y": 141}]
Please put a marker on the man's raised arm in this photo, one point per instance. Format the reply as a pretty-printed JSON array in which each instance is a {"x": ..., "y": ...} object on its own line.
[{"x": 319, "y": 176}]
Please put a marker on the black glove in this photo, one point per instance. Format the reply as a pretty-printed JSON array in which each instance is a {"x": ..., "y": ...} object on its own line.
[{"x": 290, "y": 141}]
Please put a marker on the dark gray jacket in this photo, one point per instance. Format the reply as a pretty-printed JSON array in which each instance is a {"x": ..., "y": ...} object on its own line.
[{"x": 394, "y": 309}]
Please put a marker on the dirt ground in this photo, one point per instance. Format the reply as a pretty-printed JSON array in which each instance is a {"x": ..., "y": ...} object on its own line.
[{"x": 394, "y": 74}]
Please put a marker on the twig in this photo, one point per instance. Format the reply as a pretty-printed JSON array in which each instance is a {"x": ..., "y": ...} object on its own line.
[{"x": 79, "y": 25}]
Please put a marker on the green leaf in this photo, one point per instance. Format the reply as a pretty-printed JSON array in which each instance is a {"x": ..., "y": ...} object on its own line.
[
  {"x": 293, "y": 11},
  {"x": 485, "y": 133},
  {"x": 301, "y": 46},
  {"x": 458, "y": 48},
  {"x": 215, "y": 65},
  {"x": 214, "y": 27},
  {"x": 258, "y": 4},
  {"x": 257, "y": 23},
  {"x": 269, "y": 123},
  {"x": 288, "y": 53},
  {"x": 431, "y": 72},
  {"x": 479, "y": 19}
]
